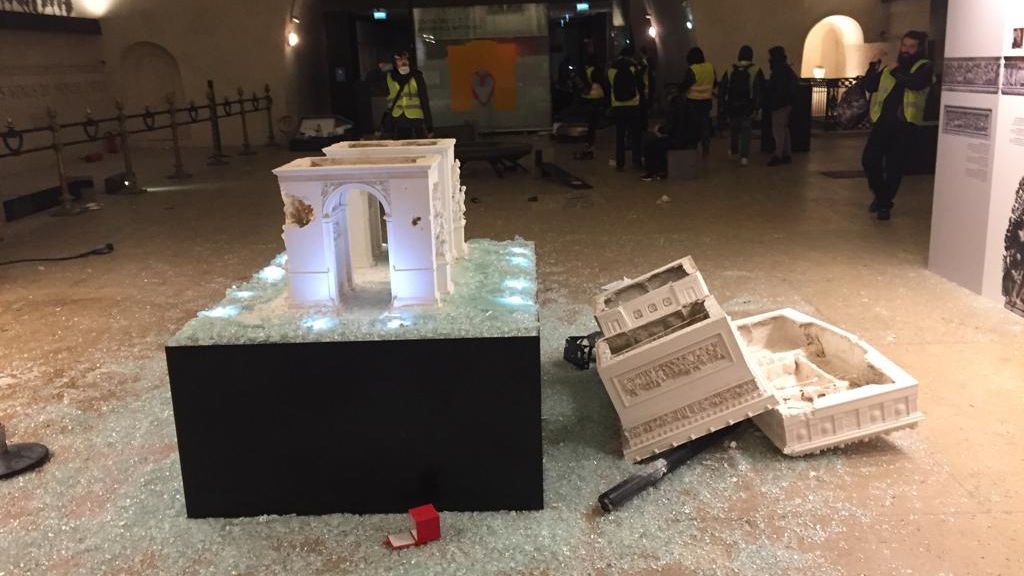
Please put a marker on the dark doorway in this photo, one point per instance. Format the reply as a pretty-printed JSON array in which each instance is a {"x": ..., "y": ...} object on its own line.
[
  {"x": 356, "y": 43},
  {"x": 573, "y": 37}
]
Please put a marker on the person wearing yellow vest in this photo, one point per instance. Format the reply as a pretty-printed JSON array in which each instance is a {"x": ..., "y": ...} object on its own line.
[
  {"x": 626, "y": 80},
  {"x": 898, "y": 99},
  {"x": 408, "y": 114},
  {"x": 699, "y": 87}
]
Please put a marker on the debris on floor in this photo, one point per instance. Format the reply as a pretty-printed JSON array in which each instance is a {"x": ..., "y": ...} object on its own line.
[
  {"x": 671, "y": 361},
  {"x": 426, "y": 528},
  {"x": 677, "y": 369}
]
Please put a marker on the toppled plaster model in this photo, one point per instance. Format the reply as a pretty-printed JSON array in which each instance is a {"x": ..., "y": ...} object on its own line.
[
  {"x": 671, "y": 361},
  {"x": 833, "y": 388},
  {"x": 316, "y": 194},
  {"x": 627, "y": 303},
  {"x": 677, "y": 368}
]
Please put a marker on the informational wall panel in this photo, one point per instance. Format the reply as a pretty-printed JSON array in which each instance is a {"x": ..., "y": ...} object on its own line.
[{"x": 977, "y": 228}]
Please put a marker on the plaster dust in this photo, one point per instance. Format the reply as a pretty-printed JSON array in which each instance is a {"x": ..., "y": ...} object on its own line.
[{"x": 82, "y": 370}]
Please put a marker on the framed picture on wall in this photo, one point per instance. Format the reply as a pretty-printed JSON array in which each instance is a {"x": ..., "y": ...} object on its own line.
[
  {"x": 1013, "y": 255},
  {"x": 1013, "y": 76},
  {"x": 967, "y": 121},
  {"x": 977, "y": 75},
  {"x": 1017, "y": 38}
]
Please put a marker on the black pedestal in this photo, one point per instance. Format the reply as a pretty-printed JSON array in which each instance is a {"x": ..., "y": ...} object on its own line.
[
  {"x": 800, "y": 119},
  {"x": 362, "y": 427}
]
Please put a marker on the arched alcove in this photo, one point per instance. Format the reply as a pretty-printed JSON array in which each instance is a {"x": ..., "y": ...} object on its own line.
[
  {"x": 149, "y": 72},
  {"x": 833, "y": 43},
  {"x": 351, "y": 243}
]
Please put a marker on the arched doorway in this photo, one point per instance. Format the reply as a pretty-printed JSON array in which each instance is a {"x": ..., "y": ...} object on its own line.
[
  {"x": 358, "y": 262},
  {"x": 149, "y": 72},
  {"x": 836, "y": 44}
]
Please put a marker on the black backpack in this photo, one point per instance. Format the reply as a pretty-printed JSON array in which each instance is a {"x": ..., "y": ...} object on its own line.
[
  {"x": 624, "y": 83},
  {"x": 853, "y": 107},
  {"x": 740, "y": 95}
]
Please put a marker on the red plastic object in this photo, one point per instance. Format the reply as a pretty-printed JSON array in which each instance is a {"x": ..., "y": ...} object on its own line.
[
  {"x": 426, "y": 528},
  {"x": 428, "y": 523}
]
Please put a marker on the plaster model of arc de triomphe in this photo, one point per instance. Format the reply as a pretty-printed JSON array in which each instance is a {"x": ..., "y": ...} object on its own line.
[
  {"x": 453, "y": 204},
  {"x": 317, "y": 193}
]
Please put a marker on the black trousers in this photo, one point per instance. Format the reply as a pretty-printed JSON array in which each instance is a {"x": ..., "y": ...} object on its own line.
[
  {"x": 403, "y": 128},
  {"x": 702, "y": 112},
  {"x": 594, "y": 111},
  {"x": 885, "y": 157},
  {"x": 628, "y": 119}
]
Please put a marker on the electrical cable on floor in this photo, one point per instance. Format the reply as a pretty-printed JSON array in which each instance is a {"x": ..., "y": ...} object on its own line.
[{"x": 97, "y": 251}]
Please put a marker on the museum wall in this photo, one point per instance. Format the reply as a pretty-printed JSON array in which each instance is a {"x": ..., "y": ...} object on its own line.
[
  {"x": 40, "y": 69},
  {"x": 722, "y": 26},
  {"x": 978, "y": 171},
  {"x": 909, "y": 15},
  {"x": 155, "y": 46}
]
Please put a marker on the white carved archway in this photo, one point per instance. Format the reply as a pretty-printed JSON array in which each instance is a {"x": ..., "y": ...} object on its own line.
[
  {"x": 336, "y": 233},
  {"x": 317, "y": 194}
]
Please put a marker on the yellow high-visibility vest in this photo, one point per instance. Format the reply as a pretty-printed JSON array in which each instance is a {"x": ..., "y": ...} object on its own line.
[
  {"x": 635, "y": 101},
  {"x": 913, "y": 100},
  {"x": 705, "y": 84},
  {"x": 409, "y": 103}
]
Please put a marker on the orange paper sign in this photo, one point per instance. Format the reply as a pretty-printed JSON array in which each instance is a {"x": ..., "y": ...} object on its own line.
[{"x": 483, "y": 73}]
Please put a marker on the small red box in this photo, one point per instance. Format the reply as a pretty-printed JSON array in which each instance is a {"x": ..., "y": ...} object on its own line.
[
  {"x": 426, "y": 528},
  {"x": 428, "y": 523}
]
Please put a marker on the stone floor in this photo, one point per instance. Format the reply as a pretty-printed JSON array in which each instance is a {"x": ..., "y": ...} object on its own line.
[{"x": 81, "y": 369}]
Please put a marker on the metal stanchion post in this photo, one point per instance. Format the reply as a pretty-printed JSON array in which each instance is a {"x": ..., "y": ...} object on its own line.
[
  {"x": 217, "y": 158},
  {"x": 66, "y": 206},
  {"x": 246, "y": 148},
  {"x": 18, "y": 458},
  {"x": 131, "y": 182},
  {"x": 270, "y": 115},
  {"x": 179, "y": 167}
]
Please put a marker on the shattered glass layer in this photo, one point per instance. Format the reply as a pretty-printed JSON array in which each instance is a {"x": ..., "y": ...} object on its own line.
[
  {"x": 495, "y": 296},
  {"x": 111, "y": 503}
]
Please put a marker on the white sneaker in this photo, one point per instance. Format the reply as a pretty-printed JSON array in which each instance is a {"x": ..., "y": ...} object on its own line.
[{"x": 743, "y": 162}]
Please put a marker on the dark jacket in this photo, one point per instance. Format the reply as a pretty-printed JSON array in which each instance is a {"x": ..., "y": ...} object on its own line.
[
  {"x": 623, "y": 62},
  {"x": 892, "y": 108},
  {"x": 680, "y": 126},
  {"x": 745, "y": 108},
  {"x": 421, "y": 85},
  {"x": 782, "y": 86}
]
